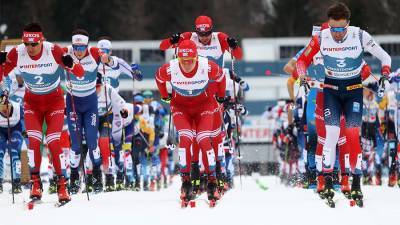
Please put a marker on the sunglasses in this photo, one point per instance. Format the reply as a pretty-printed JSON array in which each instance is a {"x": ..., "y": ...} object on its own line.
[
  {"x": 106, "y": 51},
  {"x": 34, "y": 44},
  {"x": 204, "y": 34},
  {"x": 79, "y": 48},
  {"x": 338, "y": 29},
  {"x": 186, "y": 59}
]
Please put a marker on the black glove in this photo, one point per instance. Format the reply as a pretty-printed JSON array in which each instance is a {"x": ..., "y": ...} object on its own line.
[
  {"x": 174, "y": 39},
  {"x": 67, "y": 61},
  {"x": 3, "y": 57},
  {"x": 167, "y": 99},
  {"x": 124, "y": 113},
  {"x": 232, "y": 42},
  {"x": 234, "y": 77},
  {"x": 220, "y": 99}
]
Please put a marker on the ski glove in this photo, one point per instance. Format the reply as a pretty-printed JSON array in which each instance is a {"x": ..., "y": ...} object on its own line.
[
  {"x": 166, "y": 100},
  {"x": 136, "y": 73},
  {"x": 174, "y": 39},
  {"x": 232, "y": 42},
  {"x": 3, "y": 57},
  {"x": 124, "y": 113},
  {"x": 385, "y": 71},
  {"x": 67, "y": 61}
]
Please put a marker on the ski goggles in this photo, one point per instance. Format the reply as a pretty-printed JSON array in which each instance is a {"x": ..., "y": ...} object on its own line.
[
  {"x": 203, "y": 34},
  {"x": 79, "y": 48},
  {"x": 187, "y": 59},
  {"x": 33, "y": 44},
  {"x": 106, "y": 50},
  {"x": 338, "y": 29}
]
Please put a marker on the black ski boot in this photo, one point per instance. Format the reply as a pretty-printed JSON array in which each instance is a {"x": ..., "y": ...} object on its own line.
[
  {"x": 195, "y": 177},
  {"x": 220, "y": 178},
  {"x": 110, "y": 186},
  {"x": 53, "y": 185},
  {"x": 186, "y": 190},
  {"x": 89, "y": 183},
  {"x": 1, "y": 186},
  {"x": 17, "y": 186},
  {"x": 137, "y": 185},
  {"x": 336, "y": 181},
  {"x": 145, "y": 185},
  {"x": 356, "y": 193},
  {"x": 97, "y": 180},
  {"x": 74, "y": 181},
  {"x": 312, "y": 179},
  {"x": 119, "y": 183},
  {"x": 212, "y": 191},
  {"x": 203, "y": 183},
  {"x": 329, "y": 192}
]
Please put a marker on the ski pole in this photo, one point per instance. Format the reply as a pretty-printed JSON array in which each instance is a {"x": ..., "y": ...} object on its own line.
[
  {"x": 107, "y": 119},
  {"x": 170, "y": 111},
  {"x": 78, "y": 137},
  {"x": 8, "y": 143},
  {"x": 235, "y": 100}
]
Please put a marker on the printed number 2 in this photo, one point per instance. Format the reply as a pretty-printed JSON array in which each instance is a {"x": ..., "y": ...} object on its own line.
[
  {"x": 341, "y": 63},
  {"x": 39, "y": 79}
]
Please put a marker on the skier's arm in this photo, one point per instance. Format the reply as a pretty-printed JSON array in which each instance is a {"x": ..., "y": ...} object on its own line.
[
  {"x": 166, "y": 43},
  {"x": 102, "y": 57},
  {"x": 215, "y": 74},
  {"x": 116, "y": 100},
  {"x": 236, "y": 50},
  {"x": 162, "y": 76},
  {"x": 306, "y": 57},
  {"x": 125, "y": 68},
  {"x": 58, "y": 54},
  {"x": 376, "y": 50},
  {"x": 10, "y": 64}
]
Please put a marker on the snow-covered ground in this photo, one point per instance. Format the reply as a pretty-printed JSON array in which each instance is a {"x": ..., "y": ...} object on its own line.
[{"x": 248, "y": 205}]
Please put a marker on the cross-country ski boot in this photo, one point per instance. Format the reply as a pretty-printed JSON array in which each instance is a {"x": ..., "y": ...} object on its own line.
[
  {"x": 356, "y": 193},
  {"x": 186, "y": 192},
  {"x": 17, "y": 186},
  {"x": 89, "y": 183},
  {"x": 320, "y": 186},
  {"x": 329, "y": 192},
  {"x": 212, "y": 191},
  {"x": 119, "y": 183},
  {"x": 63, "y": 196},
  {"x": 345, "y": 186},
  {"x": 195, "y": 177},
  {"x": 74, "y": 181},
  {"x": 36, "y": 187},
  {"x": 1, "y": 185},
  {"x": 110, "y": 186},
  {"x": 97, "y": 180},
  {"x": 53, "y": 185}
]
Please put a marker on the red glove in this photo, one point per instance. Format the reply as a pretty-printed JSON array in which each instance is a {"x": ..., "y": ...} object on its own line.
[
  {"x": 365, "y": 72},
  {"x": 385, "y": 71}
]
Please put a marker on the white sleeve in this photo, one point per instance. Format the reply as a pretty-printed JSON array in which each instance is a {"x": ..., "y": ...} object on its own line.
[
  {"x": 117, "y": 101},
  {"x": 124, "y": 67},
  {"x": 376, "y": 50}
]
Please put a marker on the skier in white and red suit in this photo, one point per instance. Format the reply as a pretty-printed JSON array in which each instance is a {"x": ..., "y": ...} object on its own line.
[
  {"x": 192, "y": 105},
  {"x": 213, "y": 45},
  {"x": 41, "y": 65}
]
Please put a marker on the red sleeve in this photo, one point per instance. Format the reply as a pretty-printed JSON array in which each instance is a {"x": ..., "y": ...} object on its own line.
[
  {"x": 216, "y": 74},
  {"x": 76, "y": 69},
  {"x": 162, "y": 76},
  {"x": 166, "y": 44},
  {"x": 237, "y": 52},
  {"x": 10, "y": 64},
  {"x": 96, "y": 53},
  {"x": 306, "y": 57}
]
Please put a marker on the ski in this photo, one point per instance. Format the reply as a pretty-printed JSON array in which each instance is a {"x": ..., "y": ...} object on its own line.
[
  {"x": 261, "y": 185},
  {"x": 32, "y": 203}
]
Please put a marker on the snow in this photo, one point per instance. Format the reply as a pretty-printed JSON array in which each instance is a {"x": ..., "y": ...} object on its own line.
[{"x": 248, "y": 205}]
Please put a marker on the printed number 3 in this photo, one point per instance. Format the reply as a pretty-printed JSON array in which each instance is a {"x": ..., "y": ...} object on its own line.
[
  {"x": 39, "y": 79},
  {"x": 341, "y": 63}
]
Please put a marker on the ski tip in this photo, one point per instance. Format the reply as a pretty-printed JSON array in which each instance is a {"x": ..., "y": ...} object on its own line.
[
  {"x": 30, "y": 205},
  {"x": 352, "y": 203}
]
